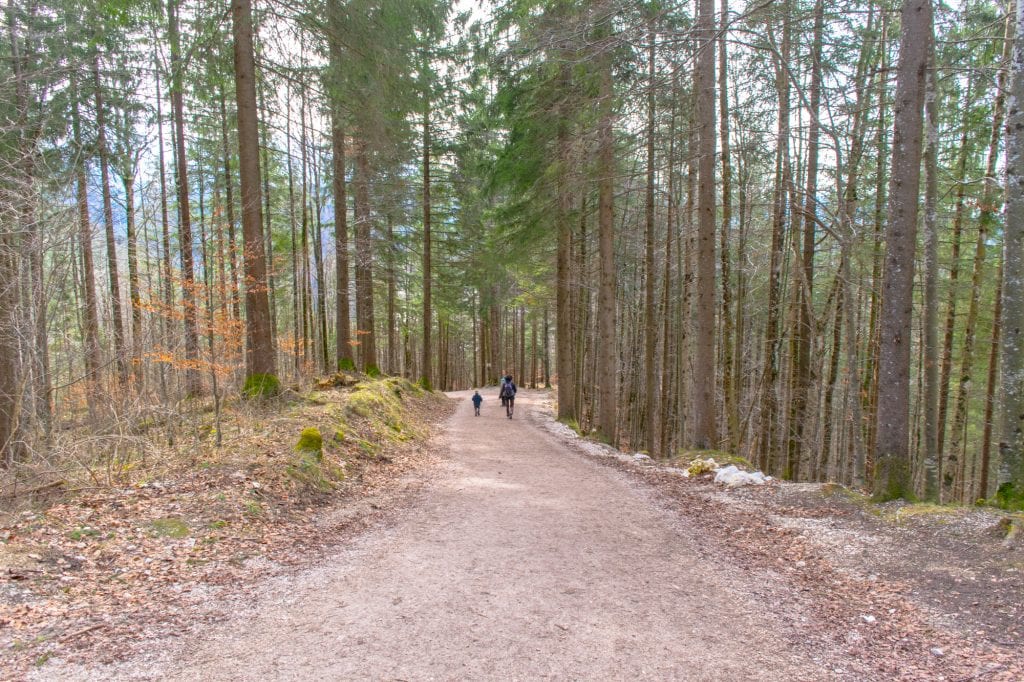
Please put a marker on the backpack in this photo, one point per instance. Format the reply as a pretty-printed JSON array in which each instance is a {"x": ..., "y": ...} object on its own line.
[{"x": 508, "y": 390}]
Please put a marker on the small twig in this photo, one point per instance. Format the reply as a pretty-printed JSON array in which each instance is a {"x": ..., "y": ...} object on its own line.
[{"x": 78, "y": 633}]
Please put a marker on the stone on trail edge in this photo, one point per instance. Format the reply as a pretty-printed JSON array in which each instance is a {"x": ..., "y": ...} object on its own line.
[{"x": 730, "y": 476}]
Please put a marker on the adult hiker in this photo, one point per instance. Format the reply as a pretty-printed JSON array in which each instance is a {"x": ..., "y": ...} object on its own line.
[
  {"x": 508, "y": 395},
  {"x": 501, "y": 389},
  {"x": 477, "y": 399}
]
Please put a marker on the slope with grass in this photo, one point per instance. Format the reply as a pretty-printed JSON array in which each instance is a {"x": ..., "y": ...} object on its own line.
[{"x": 98, "y": 566}]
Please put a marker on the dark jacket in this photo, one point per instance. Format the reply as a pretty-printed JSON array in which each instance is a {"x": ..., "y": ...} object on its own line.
[{"x": 477, "y": 399}]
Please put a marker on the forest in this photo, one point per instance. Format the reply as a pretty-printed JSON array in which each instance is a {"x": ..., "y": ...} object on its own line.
[{"x": 790, "y": 230}]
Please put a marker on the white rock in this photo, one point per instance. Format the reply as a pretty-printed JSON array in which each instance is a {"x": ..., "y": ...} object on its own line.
[
  {"x": 733, "y": 477},
  {"x": 937, "y": 652},
  {"x": 868, "y": 618}
]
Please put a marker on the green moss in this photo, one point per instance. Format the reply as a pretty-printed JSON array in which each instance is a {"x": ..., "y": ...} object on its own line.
[
  {"x": 368, "y": 448},
  {"x": 380, "y": 403},
  {"x": 373, "y": 371},
  {"x": 1009, "y": 497},
  {"x": 1011, "y": 527},
  {"x": 572, "y": 424},
  {"x": 424, "y": 383},
  {"x": 83, "y": 532},
  {"x": 313, "y": 470},
  {"x": 253, "y": 508},
  {"x": 169, "y": 527},
  {"x": 261, "y": 386},
  {"x": 220, "y": 523},
  {"x": 925, "y": 509},
  {"x": 310, "y": 441},
  {"x": 346, "y": 365},
  {"x": 339, "y": 435}
]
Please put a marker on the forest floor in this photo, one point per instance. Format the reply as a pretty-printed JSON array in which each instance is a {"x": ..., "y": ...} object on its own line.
[{"x": 513, "y": 549}]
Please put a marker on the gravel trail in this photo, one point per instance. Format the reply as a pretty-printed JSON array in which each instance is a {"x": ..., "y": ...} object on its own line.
[{"x": 522, "y": 559}]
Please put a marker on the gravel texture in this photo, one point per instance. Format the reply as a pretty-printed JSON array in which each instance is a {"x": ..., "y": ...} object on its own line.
[{"x": 522, "y": 558}]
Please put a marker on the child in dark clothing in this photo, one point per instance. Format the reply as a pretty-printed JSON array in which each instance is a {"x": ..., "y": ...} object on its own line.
[{"x": 477, "y": 399}]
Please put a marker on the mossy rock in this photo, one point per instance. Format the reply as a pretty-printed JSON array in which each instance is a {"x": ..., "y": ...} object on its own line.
[
  {"x": 169, "y": 527},
  {"x": 702, "y": 466},
  {"x": 310, "y": 441},
  {"x": 261, "y": 386}
]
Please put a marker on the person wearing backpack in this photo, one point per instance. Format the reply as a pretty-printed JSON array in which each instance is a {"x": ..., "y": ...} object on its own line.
[
  {"x": 501, "y": 391},
  {"x": 477, "y": 399},
  {"x": 508, "y": 395}
]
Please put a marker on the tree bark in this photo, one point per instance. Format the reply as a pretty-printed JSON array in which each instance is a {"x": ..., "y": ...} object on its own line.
[
  {"x": 120, "y": 355},
  {"x": 260, "y": 357},
  {"x": 1011, "y": 408},
  {"x": 930, "y": 341},
  {"x": 343, "y": 329},
  {"x": 607, "y": 352},
  {"x": 650, "y": 411},
  {"x": 986, "y": 221},
  {"x": 364, "y": 263},
  {"x": 805, "y": 326},
  {"x": 705, "y": 430},
  {"x": 425, "y": 370},
  {"x": 892, "y": 457},
  {"x": 192, "y": 380}
]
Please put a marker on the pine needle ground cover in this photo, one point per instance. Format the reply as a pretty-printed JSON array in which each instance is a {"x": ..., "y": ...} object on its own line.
[{"x": 119, "y": 562}]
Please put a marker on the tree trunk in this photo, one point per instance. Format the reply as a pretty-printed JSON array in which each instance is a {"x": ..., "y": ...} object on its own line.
[
  {"x": 165, "y": 233},
  {"x": 344, "y": 340},
  {"x": 607, "y": 355},
  {"x": 425, "y": 371},
  {"x": 705, "y": 433},
  {"x": 769, "y": 403},
  {"x": 930, "y": 340},
  {"x": 650, "y": 311},
  {"x": 729, "y": 382},
  {"x": 392, "y": 364},
  {"x": 230, "y": 206},
  {"x": 1011, "y": 408},
  {"x": 260, "y": 357},
  {"x": 892, "y": 457},
  {"x": 364, "y": 264},
  {"x": 946, "y": 367},
  {"x": 188, "y": 276},
  {"x": 990, "y": 392},
  {"x": 120, "y": 355},
  {"x": 92, "y": 325},
  {"x": 134, "y": 296},
  {"x": 986, "y": 220},
  {"x": 805, "y": 326}
]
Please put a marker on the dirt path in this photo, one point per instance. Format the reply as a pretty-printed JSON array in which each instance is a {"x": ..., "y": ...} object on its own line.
[{"x": 523, "y": 559}]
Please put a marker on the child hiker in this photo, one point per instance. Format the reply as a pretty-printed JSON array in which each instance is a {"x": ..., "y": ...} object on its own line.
[{"x": 477, "y": 399}]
